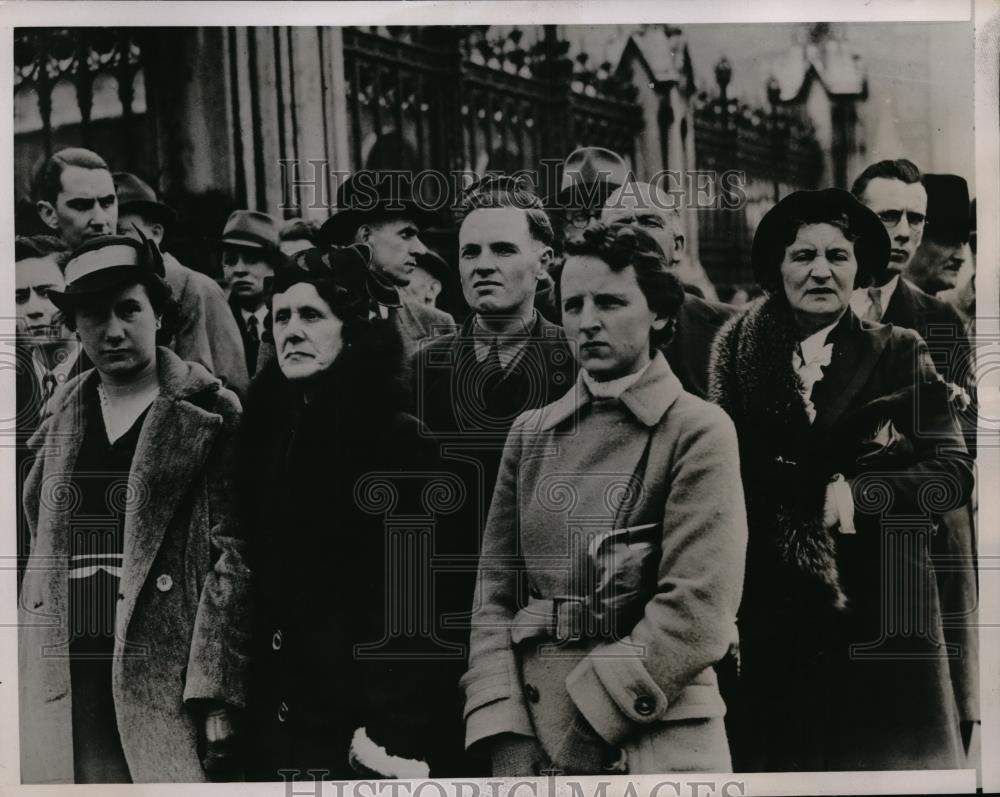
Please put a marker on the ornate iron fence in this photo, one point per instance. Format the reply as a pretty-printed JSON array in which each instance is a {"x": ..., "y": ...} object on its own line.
[{"x": 757, "y": 156}]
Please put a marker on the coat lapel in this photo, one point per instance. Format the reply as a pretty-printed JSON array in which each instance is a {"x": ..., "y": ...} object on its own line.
[
  {"x": 173, "y": 445},
  {"x": 856, "y": 351}
]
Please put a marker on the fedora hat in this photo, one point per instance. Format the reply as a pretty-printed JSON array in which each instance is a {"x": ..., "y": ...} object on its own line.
[
  {"x": 251, "y": 229},
  {"x": 135, "y": 196},
  {"x": 105, "y": 263},
  {"x": 948, "y": 212},
  {"x": 589, "y": 176},
  {"x": 775, "y": 232},
  {"x": 369, "y": 195}
]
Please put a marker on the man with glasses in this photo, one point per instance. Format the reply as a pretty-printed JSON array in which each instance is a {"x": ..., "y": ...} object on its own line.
[
  {"x": 698, "y": 321},
  {"x": 894, "y": 191}
]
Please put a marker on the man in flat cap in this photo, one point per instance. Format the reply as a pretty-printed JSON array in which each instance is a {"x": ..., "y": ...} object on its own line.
[
  {"x": 380, "y": 210},
  {"x": 206, "y": 330},
  {"x": 940, "y": 256},
  {"x": 250, "y": 254},
  {"x": 649, "y": 207}
]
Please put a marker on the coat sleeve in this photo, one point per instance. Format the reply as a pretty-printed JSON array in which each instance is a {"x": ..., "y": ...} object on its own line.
[
  {"x": 690, "y": 622},
  {"x": 220, "y": 647},
  {"x": 494, "y": 701},
  {"x": 941, "y": 476}
]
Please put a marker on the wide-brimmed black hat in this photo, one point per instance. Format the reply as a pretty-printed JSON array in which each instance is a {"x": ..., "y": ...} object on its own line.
[
  {"x": 775, "y": 233},
  {"x": 106, "y": 263},
  {"x": 136, "y": 196},
  {"x": 370, "y": 195},
  {"x": 344, "y": 275},
  {"x": 589, "y": 176}
]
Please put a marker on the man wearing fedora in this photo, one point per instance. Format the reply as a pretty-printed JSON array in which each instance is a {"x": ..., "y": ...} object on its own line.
[
  {"x": 206, "y": 331},
  {"x": 589, "y": 176},
  {"x": 250, "y": 254},
  {"x": 699, "y": 320},
  {"x": 380, "y": 210}
]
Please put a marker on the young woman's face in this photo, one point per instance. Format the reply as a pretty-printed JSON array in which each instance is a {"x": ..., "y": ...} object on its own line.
[
  {"x": 308, "y": 336},
  {"x": 606, "y": 315},
  {"x": 818, "y": 273},
  {"x": 118, "y": 331}
]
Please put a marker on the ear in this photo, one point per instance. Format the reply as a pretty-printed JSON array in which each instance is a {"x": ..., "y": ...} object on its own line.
[
  {"x": 47, "y": 213},
  {"x": 157, "y": 231},
  {"x": 363, "y": 235},
  {"x": 434, "y": 290},
  {"x": 679, "y": 244},
  {"x": 544, "y": 261}
]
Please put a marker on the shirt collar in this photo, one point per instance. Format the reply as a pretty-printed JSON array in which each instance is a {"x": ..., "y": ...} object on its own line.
[
  {"x": 509, "y": 344},
  {"x": 62, "y": 368},
  {"x": 613, "y": 388},
  {"x": 813, "y": 345},
  {"x": 260, "y": 312}
]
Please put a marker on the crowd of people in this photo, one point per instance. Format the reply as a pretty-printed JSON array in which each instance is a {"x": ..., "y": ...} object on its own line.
[{"x": 366, "y": 509}]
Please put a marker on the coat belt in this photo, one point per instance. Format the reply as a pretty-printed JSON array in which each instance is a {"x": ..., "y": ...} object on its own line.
[{"x": 563, "y": 618}]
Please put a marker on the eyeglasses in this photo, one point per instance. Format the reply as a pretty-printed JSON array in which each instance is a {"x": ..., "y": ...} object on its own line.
[
  {"x": 581, "y": 218},
  {"x": 890, "y": 218}
]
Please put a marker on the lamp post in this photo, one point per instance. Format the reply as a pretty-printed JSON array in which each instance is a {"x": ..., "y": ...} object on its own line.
[{"x": 773, "y": 97}]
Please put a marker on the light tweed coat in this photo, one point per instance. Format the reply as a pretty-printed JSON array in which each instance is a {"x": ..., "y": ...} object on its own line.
[
  {"x": 652, "y": 694},
  {"x": 182, "y": 605}
]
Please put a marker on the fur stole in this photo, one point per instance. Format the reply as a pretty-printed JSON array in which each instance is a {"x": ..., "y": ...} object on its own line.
[{"x": 785, "y": 472}]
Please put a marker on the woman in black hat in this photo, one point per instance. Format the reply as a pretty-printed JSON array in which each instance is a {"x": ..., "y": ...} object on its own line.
[
  {"x": 133, "y": 603},
  {"x": 329, "y": 462},
  {"x": 843, "y": 427}
]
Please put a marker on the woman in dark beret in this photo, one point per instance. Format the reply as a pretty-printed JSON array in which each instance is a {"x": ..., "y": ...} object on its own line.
[
  {"x": 613, "y": 555},
  {"x": 849, "y": 454},
  {"x": 339, "y": 491}
]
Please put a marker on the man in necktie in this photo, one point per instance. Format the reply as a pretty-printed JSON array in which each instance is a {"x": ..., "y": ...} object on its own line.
[
  {"x": 470, "y": 385},
  {"x": 250, "y": 254},
  {"x": 893, "y": 189}
]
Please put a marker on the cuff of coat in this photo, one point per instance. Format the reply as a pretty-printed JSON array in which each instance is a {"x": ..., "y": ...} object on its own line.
[
  {"x": 501, "y": 716},
  {"x": 199, "y": 687},
  {"x": 614, "y": 691}
]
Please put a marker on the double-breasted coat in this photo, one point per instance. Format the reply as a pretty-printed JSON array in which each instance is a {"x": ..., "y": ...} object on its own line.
[
  {"x": 657, "y": 457},
  {"x": 843, "y": 655},
  {"x": 181, "y": 619}
]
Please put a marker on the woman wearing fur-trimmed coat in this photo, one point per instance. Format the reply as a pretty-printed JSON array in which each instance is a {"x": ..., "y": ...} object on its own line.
[{"x": 849, "y": 455}]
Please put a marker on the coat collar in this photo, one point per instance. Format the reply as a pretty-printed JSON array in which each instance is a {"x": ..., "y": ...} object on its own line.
[{"x": 648, "y": 399}]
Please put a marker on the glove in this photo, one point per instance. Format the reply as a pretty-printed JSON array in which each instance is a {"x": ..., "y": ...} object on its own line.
[
  {"x": 370, "y": 760},
  {"x": 583, "y": 752},
  {"x": 220, "y": 761},
  {"x": 513, "y": 755}
]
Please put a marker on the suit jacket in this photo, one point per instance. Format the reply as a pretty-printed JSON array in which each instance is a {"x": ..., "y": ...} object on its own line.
[
  {"x": 690, "y": 349},
  {"x": 415, "y": 322},
  {"x": 942, "y": 328},
  {"x": 255, "y": 355},
  {"x": 181, "y": 620},
  {"x": 829, "y": 684},
  {"x": 641, "y": 690},
  {"x": 205, "y": 332}
]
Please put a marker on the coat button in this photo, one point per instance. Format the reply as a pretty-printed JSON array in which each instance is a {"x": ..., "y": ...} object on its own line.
[
  {"x": 283, "y": 711},
  {"x": 164, "y": 583},
  {"x": 121, "y": 596},
  {"x": 276, "y": 640},
  {"x": 644, "y": 705},
  {"x": 531, "y": 693}
]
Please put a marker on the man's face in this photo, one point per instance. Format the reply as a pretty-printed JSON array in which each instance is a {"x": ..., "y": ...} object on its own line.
[
  {"x": 576, "y": 221},
  {"x": 118, "y": 331},
  {"x": 499, "y": 262},
  {"x": 127, "y": 223},
  {"x": 423, "y": 288},
  {"x": 395, "y": 246},
  {"x": 639, "y": 210},
  {"x": 902, "y": 208},
  {"x": 244, "y": 270},
  {"x": 85, "y": 207},
  {"x": 935, "y": 266},
  {"x": 37, "y": 318}
]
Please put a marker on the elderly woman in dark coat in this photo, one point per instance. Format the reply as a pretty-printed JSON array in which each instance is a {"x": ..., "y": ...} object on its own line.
[
  {"x": 328, "y": 460},
  {"x": 133, "y": 622},
  {"x": 613, "y": 555},
  {"x": 849, "y": 453}
]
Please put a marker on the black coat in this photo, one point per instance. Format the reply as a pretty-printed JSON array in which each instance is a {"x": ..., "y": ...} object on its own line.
[
  {"x": 341, "y": 500},
  {"x": 690, "y": 349},
  {"x": 827, "y": 683}
]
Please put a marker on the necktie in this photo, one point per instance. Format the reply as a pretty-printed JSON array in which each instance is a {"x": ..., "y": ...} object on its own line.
[
  {"x": 874, "y": 312},
  {"x": 492, "y": 371},
  {"x": 253, "y": 343},
  {"x": 48, "y": 386}
]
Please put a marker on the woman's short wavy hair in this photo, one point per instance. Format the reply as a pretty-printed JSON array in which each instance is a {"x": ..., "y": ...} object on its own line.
[{"x": 622, "y": 246}]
